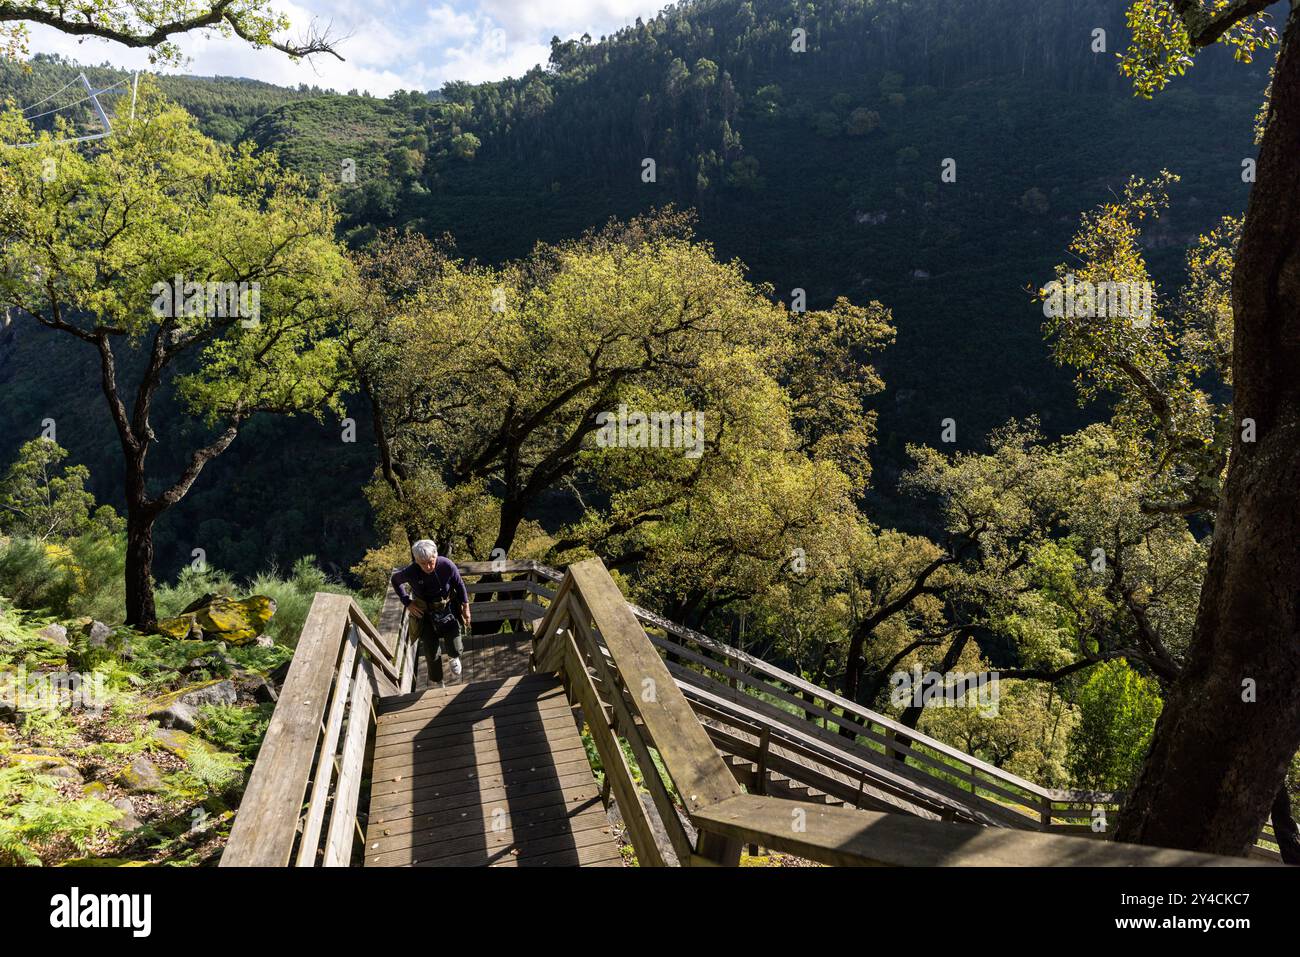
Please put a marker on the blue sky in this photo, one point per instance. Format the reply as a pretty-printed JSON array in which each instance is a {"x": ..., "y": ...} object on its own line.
[{"x": 392, "y": 44}]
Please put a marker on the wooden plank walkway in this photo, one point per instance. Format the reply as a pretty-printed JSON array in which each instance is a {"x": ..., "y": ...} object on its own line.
[
  {"x": 485, "y": 658},
  {"x": 485, "y": 773}
]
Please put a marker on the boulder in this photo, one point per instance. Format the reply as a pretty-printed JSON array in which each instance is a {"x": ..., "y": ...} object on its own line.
[
  {"x": 221, "y": 618},
  {"x": 55, "y": 635},
  {"x": 258, "y": 688},
  {"x": 221, "y": 691},
  {"x": 95, "y": 643},
  {"x": 39, "y": 762},
  {"x": 216, "y": 691},
  {"x": 180, "y": 743},
  {"x": 176, "y": 715},
  {"x": 200, "y": 602},
  {"x": 51, "y": 765},
  {"x": 128, "y": 821},
  {"x": 66, "y": 772},
  {"x": 141, "y": 775},
  {"x": 180, "y": 709}
]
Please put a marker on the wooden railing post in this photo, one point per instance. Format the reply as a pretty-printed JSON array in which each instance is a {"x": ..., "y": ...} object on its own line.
[{"x": 718, "y": 849}]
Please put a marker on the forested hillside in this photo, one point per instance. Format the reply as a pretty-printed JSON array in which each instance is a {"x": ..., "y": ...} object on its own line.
[
  {"x": 820, "y": 170},
  {"x": 902, "y": 344},
  {"x": 225, "y": 105}
]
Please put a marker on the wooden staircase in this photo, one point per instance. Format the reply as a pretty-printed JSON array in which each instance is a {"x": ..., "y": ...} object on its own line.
[
  {"x": 485, "y": 773},
  {"x": 365, "y": 762},
  {"x": 774, "y": 784}
]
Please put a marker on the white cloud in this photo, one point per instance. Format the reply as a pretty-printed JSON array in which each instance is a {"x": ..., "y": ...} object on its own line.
[
  {"x": 388, "y": 44},
  {"x": 572, "y": 17}
]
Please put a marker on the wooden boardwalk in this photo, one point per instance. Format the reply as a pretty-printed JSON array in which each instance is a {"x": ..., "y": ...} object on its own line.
[
  {"x": 485, "y": 658},
  {"x": 490, "y": 769},
  {"x": 490, "y": 772}
]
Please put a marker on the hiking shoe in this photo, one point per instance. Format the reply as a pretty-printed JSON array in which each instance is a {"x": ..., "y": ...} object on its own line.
[{"x": 455, "y": 667}]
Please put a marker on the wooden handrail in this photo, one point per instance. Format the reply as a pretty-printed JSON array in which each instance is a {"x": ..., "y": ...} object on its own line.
[
  {"x": 341, "y": 663},
  {"x": 612, "y": 669},
  {"x": 852, "y": 712},
  {"x": 845, "y": 837},
  {"x": 590, "y": 635},
  {"x": 317, "y": 735},
  {"x": 1062, "y": 810}
]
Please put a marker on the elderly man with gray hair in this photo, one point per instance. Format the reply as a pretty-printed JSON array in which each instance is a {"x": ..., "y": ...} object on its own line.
[{"x": 435, "y": 596}]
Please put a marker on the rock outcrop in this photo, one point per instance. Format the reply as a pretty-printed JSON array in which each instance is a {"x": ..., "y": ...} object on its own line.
[
  {"x": 180, "y": 708},
  {"x": 217, "y": 618}
]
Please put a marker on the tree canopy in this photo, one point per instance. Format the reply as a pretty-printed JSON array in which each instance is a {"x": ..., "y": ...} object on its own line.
[{"x": 214, "y": 266}]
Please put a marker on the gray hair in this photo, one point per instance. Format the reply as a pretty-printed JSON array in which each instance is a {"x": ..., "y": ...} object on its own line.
[{"x": 424, "y": 550}]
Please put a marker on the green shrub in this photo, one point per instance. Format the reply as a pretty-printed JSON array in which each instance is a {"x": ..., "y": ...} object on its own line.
[
  {"x": 82, "y": 576},
  {"x": 1118, "y": 709},
  {"x": 294, "y": 595}
]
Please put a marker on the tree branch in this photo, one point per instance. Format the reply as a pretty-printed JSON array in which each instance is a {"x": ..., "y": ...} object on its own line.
[
  {"x": 122, "y": 31},
  {"x": 1204, "y": 28}
]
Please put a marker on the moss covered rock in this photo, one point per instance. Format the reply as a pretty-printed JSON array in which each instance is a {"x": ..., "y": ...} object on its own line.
[
  {"x": 181, "y": 744},
  {"x": 140, "y": 775},
  {"x": 223, "y": 619},
  {"x": 102, "y": 862},
  {"x": 36, "y": 762},
  {"x": 55, "y": 635},
  {"x": 216, "y": 691}
]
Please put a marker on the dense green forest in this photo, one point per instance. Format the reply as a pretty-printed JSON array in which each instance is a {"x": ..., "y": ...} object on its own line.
[{"x": 820, "y": 171}]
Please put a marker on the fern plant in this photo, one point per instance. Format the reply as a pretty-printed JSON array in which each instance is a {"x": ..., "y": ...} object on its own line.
[
  {"x": 49, "y": 727},
  {"x": 206, "y": 772},
  {"x": 233, "y": 728},
  {"x": 33, "y": 811}
]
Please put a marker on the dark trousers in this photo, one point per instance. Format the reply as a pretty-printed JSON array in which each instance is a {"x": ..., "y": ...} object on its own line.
[{"x": 430, "y": 636}]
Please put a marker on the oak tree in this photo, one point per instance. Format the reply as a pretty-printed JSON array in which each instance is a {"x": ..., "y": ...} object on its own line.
[{"x": 214, "y": 268}]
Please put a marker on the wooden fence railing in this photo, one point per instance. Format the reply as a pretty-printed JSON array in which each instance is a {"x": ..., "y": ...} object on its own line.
[
  {"x": 318, "y": 736},
  {"x": 785, "y": 724},
  {"x": 742, "y": 695},
  {"x": 612, "y": 669},
  {"x": 302, "y": 801}
]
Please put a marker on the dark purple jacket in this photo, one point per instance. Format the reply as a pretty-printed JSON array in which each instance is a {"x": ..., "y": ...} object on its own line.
[{"x": 411, "y": 582}]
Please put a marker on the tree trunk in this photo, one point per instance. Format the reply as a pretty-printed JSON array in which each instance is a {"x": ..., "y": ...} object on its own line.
[
  {"x": 852, "y": 677},
  {"x": 512, "y": 513},
  {"x": 1284, "y": 827},
  {"x": 140, "y": 612},
  {"x": 911, "y": 716},
  {"x": 1217, "y": 761}
]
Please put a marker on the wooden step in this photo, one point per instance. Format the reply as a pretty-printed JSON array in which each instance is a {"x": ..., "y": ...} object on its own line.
[{"x": 485, "y": 774}]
